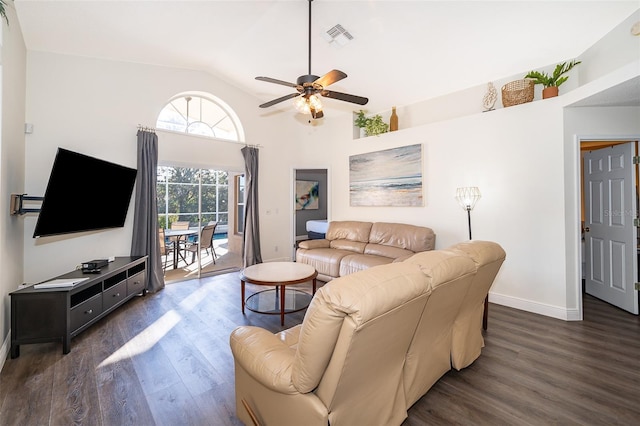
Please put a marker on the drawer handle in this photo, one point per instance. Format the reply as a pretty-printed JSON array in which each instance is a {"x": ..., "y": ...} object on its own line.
[
  {"x": 90, "y": 311},
  {"x": 116, "y": 295}
]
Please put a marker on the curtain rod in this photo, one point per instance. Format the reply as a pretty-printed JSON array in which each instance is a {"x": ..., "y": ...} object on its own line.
[
  {"x": 146, "y": 129},
  {"x": 253, "y": 146}
]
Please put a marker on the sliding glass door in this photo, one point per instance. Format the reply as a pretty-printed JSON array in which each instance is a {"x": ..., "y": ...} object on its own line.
[{"x": 196, "y": 196}]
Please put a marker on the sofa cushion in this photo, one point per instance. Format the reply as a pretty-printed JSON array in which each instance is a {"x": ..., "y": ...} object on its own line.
[
  {"x": 349, "y": 230},
  {"x": 355, "y": 246},
  {"x": 359, "y": 262},
  {"x": 387, "y": 251},
  {"x": 409, "y": 237},
  {"x": 325, "y": 260}
]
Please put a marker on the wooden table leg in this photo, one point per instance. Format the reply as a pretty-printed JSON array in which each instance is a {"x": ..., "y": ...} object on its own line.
[
  {"x": 314, "y": 287},
  {"x": 281, "y": 305},
  {"x": 242, "y": 294}
]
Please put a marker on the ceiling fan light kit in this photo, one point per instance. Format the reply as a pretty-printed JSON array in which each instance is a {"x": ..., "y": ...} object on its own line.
[{"x": 309, "y": 86}]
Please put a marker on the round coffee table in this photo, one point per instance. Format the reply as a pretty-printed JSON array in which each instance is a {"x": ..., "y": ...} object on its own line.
[{"x": 279, "y": 275}]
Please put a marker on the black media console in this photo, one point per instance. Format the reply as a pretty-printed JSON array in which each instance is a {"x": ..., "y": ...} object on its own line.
[{"x": 57, "y": 315}]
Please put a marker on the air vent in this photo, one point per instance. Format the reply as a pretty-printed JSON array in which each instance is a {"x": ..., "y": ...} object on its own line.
[{"x": 337, "y": 36}]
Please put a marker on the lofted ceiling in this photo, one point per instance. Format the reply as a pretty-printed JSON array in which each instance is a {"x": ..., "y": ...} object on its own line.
[{"x": 402, "y": 52}]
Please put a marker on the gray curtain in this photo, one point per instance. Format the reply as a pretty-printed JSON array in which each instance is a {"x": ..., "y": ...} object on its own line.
[
  {"x": 251, "y": 240},
  {"x": 145, "y": 220}
]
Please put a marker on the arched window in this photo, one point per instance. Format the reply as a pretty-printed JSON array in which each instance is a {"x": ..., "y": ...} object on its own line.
[{"x": 203, "y": 115}]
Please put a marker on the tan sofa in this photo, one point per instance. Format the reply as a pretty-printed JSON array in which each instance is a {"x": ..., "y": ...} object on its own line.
[
  {"x": 352, "y": 246},
  {"x": 371, "y": 343}
]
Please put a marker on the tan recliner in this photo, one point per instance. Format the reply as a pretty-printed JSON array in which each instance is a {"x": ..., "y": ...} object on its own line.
[
  {"x": 449, "y": 275},
  {"x": 467, "y": 340},
  {"x": 344, "y": 364},
  {"x": 370, "y": 345}
]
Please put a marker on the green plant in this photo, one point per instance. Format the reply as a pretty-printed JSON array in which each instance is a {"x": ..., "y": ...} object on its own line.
[
  {"x": 556, "y": 78},
  {"x": 3, "y": 12},
  {"x": 372, "y": 125}
]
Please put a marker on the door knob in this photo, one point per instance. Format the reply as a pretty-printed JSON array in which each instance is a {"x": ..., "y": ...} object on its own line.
[{"x": 587, "y": 229}]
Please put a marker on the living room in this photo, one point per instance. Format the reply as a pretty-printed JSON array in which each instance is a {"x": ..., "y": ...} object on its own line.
[{"x": 524, "y": 159}]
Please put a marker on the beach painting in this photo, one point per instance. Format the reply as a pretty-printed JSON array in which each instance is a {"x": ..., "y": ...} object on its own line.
[
  {"x": 306, "y": 195},
  {"x": 391, "y": 177}
]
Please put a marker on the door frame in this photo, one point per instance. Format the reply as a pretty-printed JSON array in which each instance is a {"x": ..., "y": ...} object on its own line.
[
  {"x": 292, "y": 203},
  {"x": 579, "y": 140}
]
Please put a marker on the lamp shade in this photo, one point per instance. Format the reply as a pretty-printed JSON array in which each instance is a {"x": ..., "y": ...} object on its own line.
[
  {"x": 468, "y": 197},
  {"x": 307, "y": 104}
]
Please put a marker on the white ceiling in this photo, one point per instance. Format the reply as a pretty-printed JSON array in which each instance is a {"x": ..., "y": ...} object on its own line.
[{"x": 403, "y": 51}]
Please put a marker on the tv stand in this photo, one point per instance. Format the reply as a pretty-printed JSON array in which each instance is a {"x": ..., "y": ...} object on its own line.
[{"x": 57, "y": 315}]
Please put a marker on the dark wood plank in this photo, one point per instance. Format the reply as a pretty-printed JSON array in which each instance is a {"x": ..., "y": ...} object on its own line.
[
  {"x": 74, "y": 399},
  {"x": 165, "y": 359},
  {"x": 28, "y": 385},
  {"x": 118, "y": 386}
]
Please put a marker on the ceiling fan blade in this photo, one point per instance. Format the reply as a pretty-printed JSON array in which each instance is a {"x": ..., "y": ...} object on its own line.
[
  {"x": 276, "y": 101},
  {"x": 330, "y": 78},
  {"x": 344, "y": 97},
  {"x": 273, "y": 80}
]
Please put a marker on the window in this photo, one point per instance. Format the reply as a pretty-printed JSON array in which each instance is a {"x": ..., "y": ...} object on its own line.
[
  {"x": 202, "y": 116},
  {"x": 183, "y": 191},
  {"x": 239, "y": 213}
]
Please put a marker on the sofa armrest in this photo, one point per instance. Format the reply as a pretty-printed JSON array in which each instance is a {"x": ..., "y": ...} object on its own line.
[
  {"x": 313, "y": 244},
  {"x": 264, "y": 357}
]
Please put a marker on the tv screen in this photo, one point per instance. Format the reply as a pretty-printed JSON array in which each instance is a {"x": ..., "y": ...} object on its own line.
[{"x": 84, "y": 194}]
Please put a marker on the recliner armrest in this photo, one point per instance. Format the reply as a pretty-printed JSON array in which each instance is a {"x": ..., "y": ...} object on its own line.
[
  {"x": 313, "y": 244},
  {"x": 264, "y": 356}
]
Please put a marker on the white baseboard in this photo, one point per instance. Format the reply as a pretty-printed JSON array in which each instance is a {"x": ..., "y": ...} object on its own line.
[
  {"x": 4, "y": 350},
  {"x": 535, "y": 307},
  {"x": 278, "y": 259}
]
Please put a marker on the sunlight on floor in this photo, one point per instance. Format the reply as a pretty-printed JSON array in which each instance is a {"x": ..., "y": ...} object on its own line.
[
  {"x": 151, "y": 335},
  {"x": 146, "y": 339},
  {"x": 226, "y": 260}
]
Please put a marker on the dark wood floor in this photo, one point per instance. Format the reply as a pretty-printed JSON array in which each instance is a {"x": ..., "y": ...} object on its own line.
[{"x": 164, "y": 359}]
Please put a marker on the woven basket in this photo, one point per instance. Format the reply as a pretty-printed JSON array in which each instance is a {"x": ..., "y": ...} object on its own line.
[{"x": 517, "y": 92}]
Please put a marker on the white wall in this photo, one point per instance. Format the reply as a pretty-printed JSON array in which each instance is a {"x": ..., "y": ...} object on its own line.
[
  {"x": 517, "y": 164},
  {"x": 12, "y": 106},
  {"x": 94, "y": 106}
]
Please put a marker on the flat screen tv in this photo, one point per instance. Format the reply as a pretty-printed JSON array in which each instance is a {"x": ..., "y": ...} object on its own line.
[{"x": 84, "y": 194}]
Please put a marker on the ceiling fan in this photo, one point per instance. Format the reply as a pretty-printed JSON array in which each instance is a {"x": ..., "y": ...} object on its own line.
[{"x": 309, "y": 86}]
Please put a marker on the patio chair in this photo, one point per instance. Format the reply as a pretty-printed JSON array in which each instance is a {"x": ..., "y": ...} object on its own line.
[
  {"x": 206, "y": 243},
  {"x": 166, "y": 248},
  {"x": 180, "y": 242}
]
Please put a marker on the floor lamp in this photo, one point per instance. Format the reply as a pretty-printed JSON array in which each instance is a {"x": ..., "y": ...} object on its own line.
[{"x": 468, "y": 197}]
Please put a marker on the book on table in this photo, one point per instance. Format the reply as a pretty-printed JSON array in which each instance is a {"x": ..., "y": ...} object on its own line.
[{"x": 61, "y": 283}]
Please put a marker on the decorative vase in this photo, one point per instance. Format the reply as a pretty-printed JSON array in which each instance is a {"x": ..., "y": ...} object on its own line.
[
  {"x": 550, "y": 92},
  {"x": 393, "y": 120},
  {"x": 490, "y": 97}
]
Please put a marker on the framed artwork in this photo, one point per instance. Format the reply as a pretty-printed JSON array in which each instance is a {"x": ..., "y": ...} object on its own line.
[
  {"x": 391, "y": 177},
  {"x": 306, "y": 195}
]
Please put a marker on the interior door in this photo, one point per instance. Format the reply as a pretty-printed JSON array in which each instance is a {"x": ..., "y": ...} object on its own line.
[{"x": 610, "y": 235}]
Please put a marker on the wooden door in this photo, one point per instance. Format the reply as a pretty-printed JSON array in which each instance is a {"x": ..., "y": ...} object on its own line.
[{"x": 610, "y": 234}]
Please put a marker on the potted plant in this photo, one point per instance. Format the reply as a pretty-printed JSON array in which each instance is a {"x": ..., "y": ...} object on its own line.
[
  {"x": 552, "y": 82},
  {"x": 3, "y": 12},
  {"x": 372, "y": 126}
]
